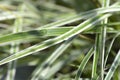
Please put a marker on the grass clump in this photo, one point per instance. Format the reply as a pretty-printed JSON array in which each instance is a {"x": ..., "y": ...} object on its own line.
[{"x": 59, "y": 39}]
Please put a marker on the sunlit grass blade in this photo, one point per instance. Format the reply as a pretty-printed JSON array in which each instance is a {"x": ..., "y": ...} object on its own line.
[
  {"x": 56, "y": 67},
  {"x": 83, "y": 63},
  {"x": 46, "y": 44},
  {"x": 116, "y": 74},
  {"x": 81, "y": 16},
  {"x": 40, "y": 69},
  {"x": 45, "y": 32},
  {"x": 103, "y": 34},
  {"x": 58, "y": 23},
  {"x": 95, "y": 58},
  {"x": 59, "y": 40},
  {"x": 33, "y": 34},
  {"x": 113, "y": 67}
]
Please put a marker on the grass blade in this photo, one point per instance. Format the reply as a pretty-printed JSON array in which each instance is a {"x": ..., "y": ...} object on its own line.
[
  {"x": 95, "y": 59},
  {"x": 105, "y": 3},
  {"x": 60, "y": 64},
  {"x": 45, "y": 32},
  {"x": 46, "y": 44},
  {"x": 33, "y": 34},
  {"x": 81, "y": 16},
  {"x": 109, "y": 48},
  {"x": 112, "y": 69},
  {"x": 41, "y": 70},
  {"x": 83, "y": 63}
]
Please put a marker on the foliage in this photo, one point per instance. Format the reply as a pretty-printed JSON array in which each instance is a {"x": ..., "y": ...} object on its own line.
[{"x": 59, "y": 39}]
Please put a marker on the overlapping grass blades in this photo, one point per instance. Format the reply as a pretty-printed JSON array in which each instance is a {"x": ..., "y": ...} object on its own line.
[
  {"x": 43, "y": 68},
  {"x": 110, "y": 47},
  {"x": 113, "y": 67},
  {"x": 45, "y": 32},
  {"x": 38, "y": 47},
  {"x": 86, "y": 25},
  {"x": 48, "y": 32},
  {"x": 102, "y": 41}
]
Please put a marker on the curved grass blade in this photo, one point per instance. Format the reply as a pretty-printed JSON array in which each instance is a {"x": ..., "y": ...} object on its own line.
[
  {"x": 112, "y": 69},
  {"x": 57, "y": 66},
  {"x": 11, "y": 37},
  {"x": 103, "y": 33},
  {"x": 55, "y": 24},
  {"x": 46, "y": 44},
  {"x": 83, "y": 63},
  {"x": 109, "y": 48},
  {"x": 84, "y": 15}
]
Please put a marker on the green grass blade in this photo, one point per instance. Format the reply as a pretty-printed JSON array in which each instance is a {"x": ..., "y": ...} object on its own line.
[
  {"x": 11, "y": 37},
  {"x": 112, "y": 69},
  {"x": 81, "y": 16},
  {"x": 83, "y": 63},
  {"x": 95, "y": 59},
  {"x": 56, "y": 67},
  {"x": 105, "y": 3},
  {"x": 109, "y": 48},
  {"x": 45, "y": 32},
  {"x": 33, "y": 34},
  {"x": 51, "y": 25},
  {"x": 41, "y": 68},
  {"x": 46, "y": 44}
]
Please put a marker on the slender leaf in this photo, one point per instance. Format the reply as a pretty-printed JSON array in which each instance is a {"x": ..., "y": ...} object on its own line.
[
  {"x": 112, "y": 69},
  {"x": 110, "y": 46},
  {"x": 45, "y": 32},
  {"x": 46, "y": 44},
  {"x": 105, "y": 3},
  {"x": 83, "y": 63},
  {"x": 14, "y": 48},
  {"x": 95, "y": 59},
  {"x": 83, "y": 15},
  {"x": 42, "y": 67}
]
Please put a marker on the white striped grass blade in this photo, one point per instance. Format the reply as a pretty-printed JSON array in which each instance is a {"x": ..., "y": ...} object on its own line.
[
  {"x": 84, "y": 15},
  {"x": 46, "y": 44},
  {"x": 105, "y": 3},
  {"x": 40, "y": 69},
  {"x": 110, "y": 47},
  {"x": 83, "y": 63},
  {"x": 112, "y": 69},
  {"x": 57, "y": 66},
  {"x": 45, "y": 32}
]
